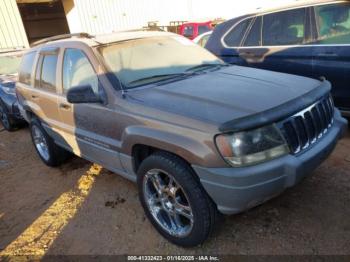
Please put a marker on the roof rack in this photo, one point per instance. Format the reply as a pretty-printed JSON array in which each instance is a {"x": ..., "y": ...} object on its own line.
[{"x": 60, "y": 37}]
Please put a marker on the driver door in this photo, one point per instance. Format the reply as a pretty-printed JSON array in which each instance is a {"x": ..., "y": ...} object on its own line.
[{"x": 88, "y": 129}]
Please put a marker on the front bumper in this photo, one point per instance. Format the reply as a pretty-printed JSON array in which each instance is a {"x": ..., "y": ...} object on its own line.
[{"x": 237, "y": 189}]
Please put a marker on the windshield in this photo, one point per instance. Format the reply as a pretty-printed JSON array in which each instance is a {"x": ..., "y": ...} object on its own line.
[
  {"x": 9, "y": 64},
  {"x": 148, "y": 60}
]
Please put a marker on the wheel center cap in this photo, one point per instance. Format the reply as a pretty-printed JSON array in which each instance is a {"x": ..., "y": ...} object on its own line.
[{"x": 167, "y": 204}]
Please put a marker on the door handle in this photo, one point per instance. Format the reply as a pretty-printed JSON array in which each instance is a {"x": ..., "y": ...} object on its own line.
[
  {"x": 64, "y": 106},
  {"x": 250, "y": 55},
  {"x": 35, "y": 97}
]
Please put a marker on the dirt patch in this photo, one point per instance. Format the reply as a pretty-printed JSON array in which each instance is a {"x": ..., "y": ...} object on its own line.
[{"x": 81, "y": 208}]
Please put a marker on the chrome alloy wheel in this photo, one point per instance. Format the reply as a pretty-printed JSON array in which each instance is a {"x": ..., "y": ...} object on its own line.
[
  {"x": 168, "y": 203},
  {"x": 40, "y": 143}
]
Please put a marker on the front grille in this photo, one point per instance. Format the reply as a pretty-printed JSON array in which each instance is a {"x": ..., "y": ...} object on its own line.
[{"x": 308, "y": 126}]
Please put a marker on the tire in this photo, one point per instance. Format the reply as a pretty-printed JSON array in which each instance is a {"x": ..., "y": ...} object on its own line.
[
  {"x": 53, "y": 155},
  {"x": 7, "y": 122},
  {"x": 203, "y": 210}
]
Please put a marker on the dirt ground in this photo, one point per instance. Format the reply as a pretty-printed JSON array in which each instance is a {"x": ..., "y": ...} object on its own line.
[{"x": 80, "y": 208}]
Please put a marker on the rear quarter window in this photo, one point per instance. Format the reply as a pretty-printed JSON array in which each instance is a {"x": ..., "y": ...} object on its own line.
[
  {"x": 235, "y": 35},
  {"x": 26, "y": 67},
  {"x": 333, "y": 24}
]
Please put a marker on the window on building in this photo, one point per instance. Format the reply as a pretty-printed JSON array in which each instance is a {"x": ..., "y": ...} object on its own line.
[
  {"x": 254, "y": 36},
  {"x": 333, "y": 23},
  {"x": 235, "y": 36},
  {"x": 26, "y": 67},
  {"x": 284, "y": 28},
  {"x": 77, "y": 70}
]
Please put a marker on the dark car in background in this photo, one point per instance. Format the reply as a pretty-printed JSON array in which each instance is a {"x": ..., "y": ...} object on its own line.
[
  {"x": 10, "y": 117},
  {"x": 310, "y": 39}
]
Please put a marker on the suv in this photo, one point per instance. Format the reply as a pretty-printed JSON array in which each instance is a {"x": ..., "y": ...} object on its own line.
[
  {"x": 198, "y": 136},
  {"x": 310, "y": 39},
  {"x": 10, "y": 117}
]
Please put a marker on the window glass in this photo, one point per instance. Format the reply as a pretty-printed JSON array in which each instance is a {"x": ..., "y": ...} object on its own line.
[
  {"x": 235, "y": 36},
  {"x": 48, "y": 73},
  {"x": 202, "y": 29},
  {"x": 254, "y": 36},
  {"x": 26, "y": 68},
  {"x": 77, "y": 70},
  {"x": 144, "y": 61},
  {"x": 284, "y": 28},
  {"x": 188, "y": 31},
  {"x": 333, "y": 24}
]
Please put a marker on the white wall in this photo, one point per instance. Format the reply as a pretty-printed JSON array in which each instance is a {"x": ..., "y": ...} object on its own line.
[{"x": 12, "y": 34}]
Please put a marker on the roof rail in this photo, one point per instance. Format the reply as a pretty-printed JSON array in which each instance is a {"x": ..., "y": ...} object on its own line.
[{"x": 59, "y": 37}]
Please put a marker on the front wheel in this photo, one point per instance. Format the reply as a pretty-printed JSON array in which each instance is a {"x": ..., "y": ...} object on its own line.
[{"x": 174, "y": 200}]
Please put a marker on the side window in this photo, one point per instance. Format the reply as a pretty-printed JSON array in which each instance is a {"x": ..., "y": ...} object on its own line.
[
  {"x": 203, "y": 29},
  {"x": 45, "y": 77},
  {"x": 77, "y": 70},
  {"x": 235, "y": 36},
  {"x": 333, "y": 24},
  {"x": 25, "y": 71},
  {"x": 255, "y": 33},
  {"x": 284, "y": 28},
  {"x": 188, "y": 31}
]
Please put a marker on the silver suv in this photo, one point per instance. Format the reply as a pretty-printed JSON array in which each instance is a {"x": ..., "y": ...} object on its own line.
[{"x": 198, "y": 136}]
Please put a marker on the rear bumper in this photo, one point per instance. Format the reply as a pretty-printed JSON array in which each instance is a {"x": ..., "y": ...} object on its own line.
[{"x": 237, "y": 189}]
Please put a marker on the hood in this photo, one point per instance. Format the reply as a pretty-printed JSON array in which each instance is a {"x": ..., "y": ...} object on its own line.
[{"x": 227, "y": 94}]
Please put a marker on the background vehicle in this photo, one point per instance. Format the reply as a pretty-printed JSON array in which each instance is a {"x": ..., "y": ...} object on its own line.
[
  {"x": 310, "y": 39},
  {"x": 202, "y": 39},
  {"x": 198, "y": 136},
  {"x": 192, "y": 30},
  {"x": 10, "y": 116}
]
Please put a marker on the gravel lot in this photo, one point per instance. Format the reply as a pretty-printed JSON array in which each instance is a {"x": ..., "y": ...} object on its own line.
[{"x": 80, "y": 208}]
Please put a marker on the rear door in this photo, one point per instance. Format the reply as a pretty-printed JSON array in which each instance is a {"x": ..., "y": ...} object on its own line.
[
  {"x": 279, "y": 42},
  {"x": 331, "y": 49},
  {"x": 90, "y": 130},
  {"x": 43, "y": 97}
]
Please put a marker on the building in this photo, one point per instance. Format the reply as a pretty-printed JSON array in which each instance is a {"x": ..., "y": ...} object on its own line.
[{"x": 25, "y": 21}]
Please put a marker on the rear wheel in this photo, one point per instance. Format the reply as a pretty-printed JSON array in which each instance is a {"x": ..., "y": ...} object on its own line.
[
  {"x": 174, "y": 200},
  {"x": 50, "y": 153}
]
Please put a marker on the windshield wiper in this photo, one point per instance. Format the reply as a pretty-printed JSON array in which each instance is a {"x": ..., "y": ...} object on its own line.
[
  {"x": 161, "y": 76},
  {"x": 204, "y": 66}
]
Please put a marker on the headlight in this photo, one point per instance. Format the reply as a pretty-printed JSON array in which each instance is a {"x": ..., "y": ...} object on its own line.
[{"x": 252, "y": 147}]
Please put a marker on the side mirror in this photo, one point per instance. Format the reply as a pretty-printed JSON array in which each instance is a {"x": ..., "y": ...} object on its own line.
[{"x": 83, "y": 94}]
